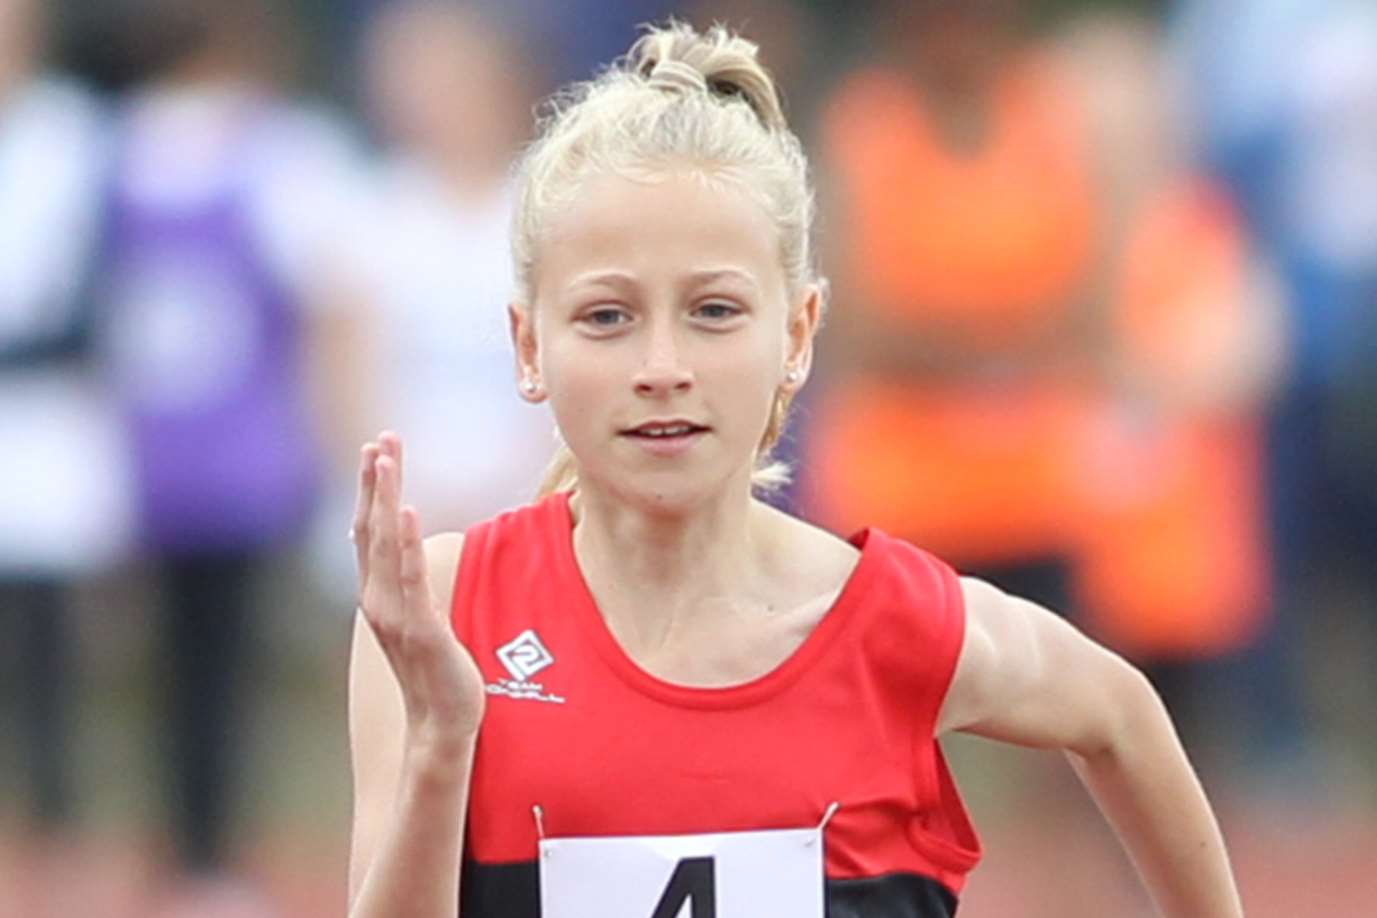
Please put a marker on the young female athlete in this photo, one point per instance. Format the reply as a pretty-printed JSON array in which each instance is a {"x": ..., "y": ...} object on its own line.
[{"x": 665, "y": 696}]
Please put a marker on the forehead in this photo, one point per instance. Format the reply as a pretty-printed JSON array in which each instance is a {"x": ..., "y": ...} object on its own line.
[{"x": 667, "y": 224}]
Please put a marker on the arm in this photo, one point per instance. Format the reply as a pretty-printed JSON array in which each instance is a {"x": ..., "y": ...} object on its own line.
[
  {"x": 415, "y": 703},
  {"x": 1026, "y": 676}
]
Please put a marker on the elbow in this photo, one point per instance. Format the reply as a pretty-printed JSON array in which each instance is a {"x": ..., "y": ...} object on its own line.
[{"x": 1130, "y": 713}]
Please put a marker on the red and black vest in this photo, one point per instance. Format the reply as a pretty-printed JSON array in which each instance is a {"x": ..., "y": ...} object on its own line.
[{"x": 606, "y": 749}]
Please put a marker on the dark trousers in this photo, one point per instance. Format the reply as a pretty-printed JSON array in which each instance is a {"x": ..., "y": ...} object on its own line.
[
  {"x": 34, "y": 613},
  {"x": 206, "y": 626}
]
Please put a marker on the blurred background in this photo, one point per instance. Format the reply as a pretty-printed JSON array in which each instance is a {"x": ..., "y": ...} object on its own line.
[{"x": 1104, "y": 330}]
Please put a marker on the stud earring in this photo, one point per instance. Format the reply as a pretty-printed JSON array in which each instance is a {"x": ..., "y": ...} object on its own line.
[
  {"x": 794, "y": 375},
  {"x": 528, "y": 385}
]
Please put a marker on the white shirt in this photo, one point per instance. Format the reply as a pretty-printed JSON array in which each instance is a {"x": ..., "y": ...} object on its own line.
[
  {"x": 438, "y": 273},
  {"x": 63, "y": 503}
]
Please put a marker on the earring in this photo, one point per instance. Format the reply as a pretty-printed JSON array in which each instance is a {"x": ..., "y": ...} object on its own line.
[
  {"x": 794, "y": 375},
  {"x": 529, "y": 386}
]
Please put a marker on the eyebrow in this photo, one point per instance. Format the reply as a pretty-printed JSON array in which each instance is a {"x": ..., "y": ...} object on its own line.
[
  {"x": 616, "y": 278},
  {"x": 714, "y": 274}
]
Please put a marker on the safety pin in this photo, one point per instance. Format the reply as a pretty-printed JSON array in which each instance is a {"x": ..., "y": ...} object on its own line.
[
  {"x": 539, "y": 820},
  {"x": 826, "y": 818}
]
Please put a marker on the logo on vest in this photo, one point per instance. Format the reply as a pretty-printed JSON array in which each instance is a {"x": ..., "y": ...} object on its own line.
[{"x": 523, "y": 657}]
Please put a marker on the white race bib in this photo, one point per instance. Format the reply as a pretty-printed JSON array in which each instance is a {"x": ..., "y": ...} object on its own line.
[{"x": 776, "y": 873}]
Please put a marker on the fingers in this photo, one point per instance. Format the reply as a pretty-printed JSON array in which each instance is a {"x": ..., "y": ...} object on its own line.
[
  {"x": 379, "y": 547},
  {"x": 391, "y": 445},
  {"x": 363, "y": 505},
  {"x": 388, "y": 443},
  {"x": 415, "y": 583},
  {"x": 383, "y": 559}
]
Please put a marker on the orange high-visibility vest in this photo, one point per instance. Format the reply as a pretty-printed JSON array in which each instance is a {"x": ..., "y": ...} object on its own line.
[
  {"x": 991, "y": 248},
  {"x": 1174, "y": 562}
]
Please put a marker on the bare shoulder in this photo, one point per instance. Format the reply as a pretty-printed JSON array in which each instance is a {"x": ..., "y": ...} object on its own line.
[
  {"x": 1011, "y": 636},
  {"x": 819, "y": 561},
  {"x": 1027, "y": 675},
  {"x": 988, "y": 618},
  {"x": 442, "y": 563},
  {"x": 981, "y": 596},
  {"x": 994, "y": 618}
]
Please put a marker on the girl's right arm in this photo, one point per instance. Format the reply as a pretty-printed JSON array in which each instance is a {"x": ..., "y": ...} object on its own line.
[
  {"x": 1027, "y": 676},
  {"x": 415, "y": 704}
]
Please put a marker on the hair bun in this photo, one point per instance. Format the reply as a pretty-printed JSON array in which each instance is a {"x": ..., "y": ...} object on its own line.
[
  {"x": 672, "y": 74},
  {"x": 676, "y": 57}
]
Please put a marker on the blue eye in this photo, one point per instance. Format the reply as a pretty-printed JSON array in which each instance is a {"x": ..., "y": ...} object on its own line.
[
  {"x": 605, "y": 317},
  {"x": 718, "y": 311}
]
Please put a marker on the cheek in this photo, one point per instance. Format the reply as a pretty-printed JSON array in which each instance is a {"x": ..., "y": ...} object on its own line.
[
  {"x": 743, "y": 382},
  {"x": 581, "y": 389}
]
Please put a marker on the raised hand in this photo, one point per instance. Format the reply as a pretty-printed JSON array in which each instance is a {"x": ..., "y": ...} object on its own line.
[{"x": 441, "y": 686}]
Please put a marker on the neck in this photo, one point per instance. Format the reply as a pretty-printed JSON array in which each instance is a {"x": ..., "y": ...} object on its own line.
[{"x": 657, "y": 574}]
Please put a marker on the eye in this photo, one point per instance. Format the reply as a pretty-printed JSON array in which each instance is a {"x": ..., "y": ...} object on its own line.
[
  {"x": 605, "y": 317},
  {"x": 717, "y": 310}
]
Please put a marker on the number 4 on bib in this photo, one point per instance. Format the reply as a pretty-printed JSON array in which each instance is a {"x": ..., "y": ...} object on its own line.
[
  {"x": 693, "y": 881},
  {"x": 775, "y": 873}
]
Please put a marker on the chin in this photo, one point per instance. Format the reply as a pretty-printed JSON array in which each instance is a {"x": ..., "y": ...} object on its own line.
[{"x": 667, "y": 493}]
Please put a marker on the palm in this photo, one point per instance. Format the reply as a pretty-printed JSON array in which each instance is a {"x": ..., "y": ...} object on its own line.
[{"x": 440, "y": 683}]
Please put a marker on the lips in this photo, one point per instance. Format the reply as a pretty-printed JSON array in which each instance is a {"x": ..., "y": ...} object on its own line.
[{"x": 660, "y": 430}]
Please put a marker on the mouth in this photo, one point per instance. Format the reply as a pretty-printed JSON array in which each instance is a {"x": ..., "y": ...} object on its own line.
[{"x": 666, "y": 432}]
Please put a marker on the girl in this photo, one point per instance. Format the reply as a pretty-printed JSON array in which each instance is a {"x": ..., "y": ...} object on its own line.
[{"x": 691, "y": 702}]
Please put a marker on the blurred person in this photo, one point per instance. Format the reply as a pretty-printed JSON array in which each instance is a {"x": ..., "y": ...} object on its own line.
[
  {"x": 432, "y": 255},
  {"x": 573, "y": 35},
  {"x": 960, "y": 188},
  {"x": 1173, "y": 571},
  {"x": 603, "y": 701},
  {"x": 229, "y": 365},
  {"x": 1297, "y": 145},
  {"x": 63, "y": 514}
]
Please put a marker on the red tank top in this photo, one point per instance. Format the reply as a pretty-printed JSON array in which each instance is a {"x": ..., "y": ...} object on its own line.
[{"x": 606, "y": 749}]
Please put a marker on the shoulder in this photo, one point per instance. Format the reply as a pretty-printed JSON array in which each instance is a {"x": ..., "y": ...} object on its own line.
[
  {"x": 806, "y": 554},
  {"x": 1027, "y": 675},
  {"x": 996, "y": 631},
  {"x": 906, "y": 590},
  {"x": 514, "y": 540},
  {"x": 443, "y": 551},
  {"x": 888, "y": 566},
  {"x": 917, "y": 575}
]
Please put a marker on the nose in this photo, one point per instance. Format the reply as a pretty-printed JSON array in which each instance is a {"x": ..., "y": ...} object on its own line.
[{"x": 662, "y": 370}]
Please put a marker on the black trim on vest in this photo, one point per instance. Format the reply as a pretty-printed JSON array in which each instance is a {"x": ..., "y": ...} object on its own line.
[
  {"x": 499, "y": 890},
  {"x": 890, "y": 895},
  {"x": 513, "y": 891}
]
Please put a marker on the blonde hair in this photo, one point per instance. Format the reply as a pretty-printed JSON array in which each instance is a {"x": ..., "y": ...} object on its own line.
[{"x": 678, "y": 96}]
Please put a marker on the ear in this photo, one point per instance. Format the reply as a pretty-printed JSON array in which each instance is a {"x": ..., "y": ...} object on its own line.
[
  {"x": 521, "y": 325},
  {"x": 803, "y": 326}
]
